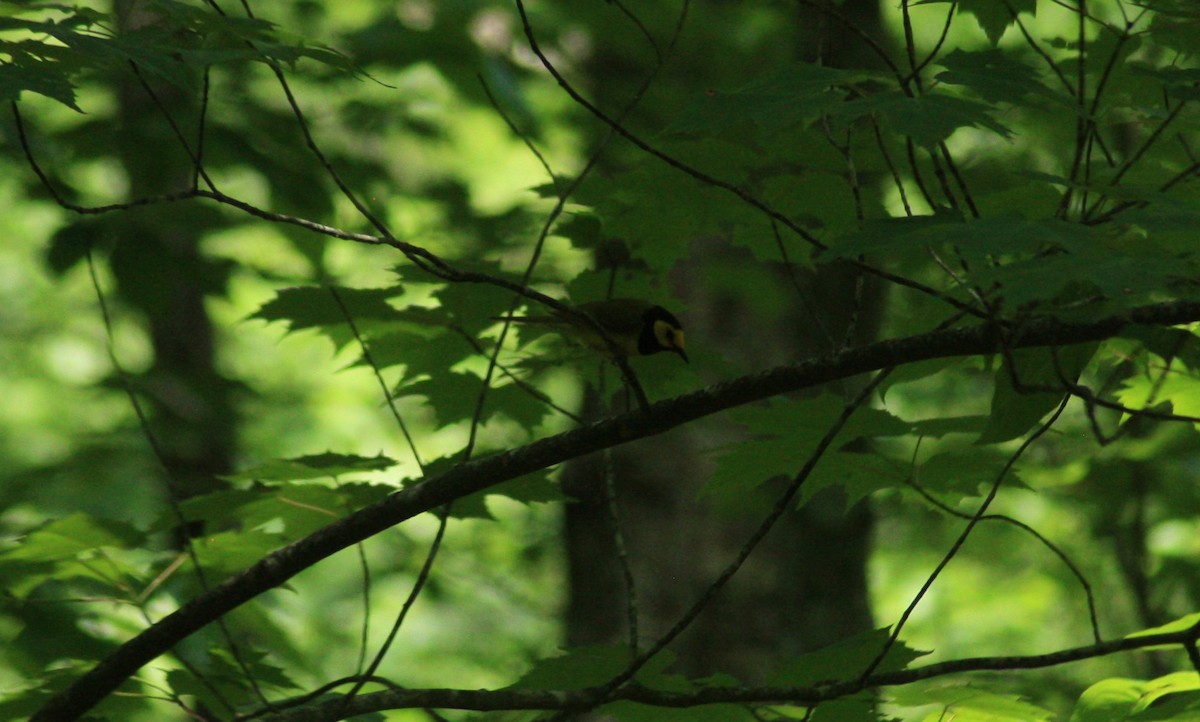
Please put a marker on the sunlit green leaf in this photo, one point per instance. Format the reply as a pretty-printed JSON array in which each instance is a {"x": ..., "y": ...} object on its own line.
[
  {"x": 228, "y": 552},
  {"x": 994, "y": 18},
  {"x": 73, "y": 535},
  {"x": 317, "y": 466},
  {"x": 966, "y": 702},
  {"x": 1121, "y": 699}
]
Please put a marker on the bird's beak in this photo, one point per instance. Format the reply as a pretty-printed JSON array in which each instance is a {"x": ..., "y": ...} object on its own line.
[{"x": 676, "y": 344}]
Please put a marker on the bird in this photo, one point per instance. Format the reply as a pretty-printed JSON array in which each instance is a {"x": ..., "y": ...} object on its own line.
[{"x": 631, "y": 327}]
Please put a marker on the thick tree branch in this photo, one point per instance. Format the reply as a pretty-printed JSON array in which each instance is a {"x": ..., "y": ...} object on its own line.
[{"x": 480, "y": 474}]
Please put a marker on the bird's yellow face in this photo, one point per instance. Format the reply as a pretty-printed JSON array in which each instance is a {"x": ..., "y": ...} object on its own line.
[{"x": 669, "y": 337}]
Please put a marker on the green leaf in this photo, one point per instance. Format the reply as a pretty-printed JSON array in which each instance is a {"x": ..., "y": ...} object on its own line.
[
  {"x": 785, "y": 434},
  {"x": 939, "y": 427},
  {"x": 996, "y": 76},
  {"x": 927, "y": 119},
  {"x": 861, "y": 707},
  {"x": 452, "y": 396},
  {"x": 654, "y": 210},
  {"x": 74, "y": 535},
  {"x": 1116, "y": 699},
  {"x": 969, "y": 704},
  {"x": 319, "y": 466},
  {"x": 421, "y": 353},
  {"x": 581, "y": 667},
  {"x": 1174, "y": 26},
  {"x": 657, "y": 212},
  {"x": 961, "y": 473},
  {"x": 291, "y": 509},
  {"x": 217, "y": 510},
  {"x": 993, "y": 17},
  {"x": 304, "y": 307},
  {"x": 517, "y": 404},
  {"x": 222, "y": 662},
  {"x": 793, "y": 95},
  {"x": 226, "y": 553},
  {"x": 1177, "y": 625},
  {"x": 856, "y": 475},
  {"x": 303, "y": 509},
  {"x": 474, "y": 306},
  {"x": 44, "y": 78},
  {"x": 632, "y": 712},
  {"x": 979, "y": 242},
  {"x": 472, "y": 506},
  {"x": 911, "y": 372},
  {"x": 1167, "y": 343},
  {"x": 1180, "y": 83},
  {"x": 70, "y": 244},
  {"x": 1015, "y": 412},
  {"x": 535, "y": 488},
  {"x": 1181, "y": 390},
  {"x": 1179, "y": 707},
  {"x": 844, "y": 660},
  {"x": 229, "y": 677},
  {"x": 1128, "y": 277},
  {"x": 20, "y": 702}
]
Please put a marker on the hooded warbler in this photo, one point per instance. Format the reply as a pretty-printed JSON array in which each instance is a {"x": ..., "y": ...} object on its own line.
[{"x": 630, "y": 327}]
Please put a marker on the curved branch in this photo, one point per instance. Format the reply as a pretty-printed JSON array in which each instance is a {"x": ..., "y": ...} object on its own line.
[{"x": 478, "y": 475}]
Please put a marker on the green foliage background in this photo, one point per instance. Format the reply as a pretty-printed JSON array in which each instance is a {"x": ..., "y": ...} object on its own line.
[{"x": 993, "y": 184}]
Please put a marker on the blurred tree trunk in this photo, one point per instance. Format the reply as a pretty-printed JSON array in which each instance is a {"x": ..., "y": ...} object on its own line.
[
  {"x": 805, "y": 585},
  {"x": 160, "y": 271}
]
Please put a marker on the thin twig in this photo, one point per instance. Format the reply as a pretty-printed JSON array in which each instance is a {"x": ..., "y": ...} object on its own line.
[
  {"x": 1083, "y": 122},
  {"x": 961, "y": 182},
  {"x": 937, "y": 47},
  {"x": 413, "y": 594},
  {"x": 389, "y": 399},
  {"x": 197, "y": 167},
  {"x": 614, "y": 517},
  {"x": 1054, "y": 549},
  {"x": 172, "y": 495},
  {"x": 525, "y": 386},
  {"x": 782, "y": 505},
  {"x": 809, "y": 305},
  {"x": 277, "y": 567},
  {"x": 962, "y": 538}
]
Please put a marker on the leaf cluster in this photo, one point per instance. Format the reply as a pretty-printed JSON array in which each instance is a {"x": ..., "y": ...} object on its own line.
[{"x": 1020, "y": 192}]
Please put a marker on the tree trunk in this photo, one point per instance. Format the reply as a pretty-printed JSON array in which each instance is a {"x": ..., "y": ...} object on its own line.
[
  {"x": 805, "y": 585},
  {"x": 160, "y": 271}
]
